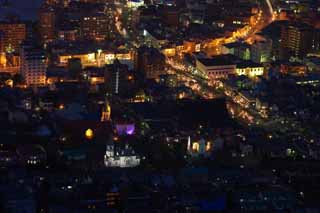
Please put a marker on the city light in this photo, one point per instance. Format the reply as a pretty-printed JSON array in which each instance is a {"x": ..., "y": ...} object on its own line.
[{"x": 89, "y": 134}]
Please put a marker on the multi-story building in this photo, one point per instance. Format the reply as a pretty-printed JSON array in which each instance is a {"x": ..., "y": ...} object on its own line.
[
  {"x": 150, "y": 62},
  {"x": 47, "y": 21},
  {"x": 261, "y": 51},
  {"x": 12, "y": 34},
  {"x": 239, "y": 49},
  {"x": 33, "y": 65},
  {"x": 67, "y": 34},
  {"x": 95, "y": 27},
  {"x": 116, "y": 76},
  {"x": 249, "y": 68},
  {"x": 216, "y": 67},
  {"x": 296, "y": 40}
]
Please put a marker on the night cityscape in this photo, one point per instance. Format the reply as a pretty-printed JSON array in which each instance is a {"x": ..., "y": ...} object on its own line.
[{"x": 173, "y": 106}]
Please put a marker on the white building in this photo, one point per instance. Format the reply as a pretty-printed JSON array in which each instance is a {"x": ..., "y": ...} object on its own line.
[
  {"x": 33, "y": 65},
  {"x": 216, "y": 67},
  {"x": 134, "y": 4},
  {"x": 122, "y": 157},
  {"x": 249, "y": 68}
]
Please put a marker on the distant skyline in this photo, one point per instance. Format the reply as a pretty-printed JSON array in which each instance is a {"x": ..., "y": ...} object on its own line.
[{"x": 26, "y": 9}]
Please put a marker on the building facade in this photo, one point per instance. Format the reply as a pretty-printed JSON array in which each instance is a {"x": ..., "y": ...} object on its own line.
[
  {"x": 150, "y": 62},
  {"x": 296, "y": 40},
  {"x": 120, "y": 157},
  {"x": 11, "y": 36},
  {"x": 216, "y": 67},
  {"x": 95, "y": 27},
  {"x": 47, "y": 21},
  {"x": 33, "y": 65}
]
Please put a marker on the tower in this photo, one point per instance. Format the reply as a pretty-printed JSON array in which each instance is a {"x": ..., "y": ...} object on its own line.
[{"x": 106, "y": 112}]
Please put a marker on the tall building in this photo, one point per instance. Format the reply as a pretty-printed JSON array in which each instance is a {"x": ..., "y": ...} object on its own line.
[
  {"x": 95, "y": 27},
  {"x": 33, "y": 65},
  {"x": 116, "y": 78},
  {"x": 150, "y": 62},
  {"x": 296, "y": 40},
  {"x": 47, "y": 21},
  {"x": 12, "y": 34},
  {"x": 106, "y": 112}
]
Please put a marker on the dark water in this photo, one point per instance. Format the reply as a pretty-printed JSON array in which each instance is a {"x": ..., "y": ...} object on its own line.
[{"x": 26, "y": 9}]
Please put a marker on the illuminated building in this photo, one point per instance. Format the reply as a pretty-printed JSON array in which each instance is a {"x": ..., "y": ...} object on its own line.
[
  {"x": 47, "y": 21},
  {"x": 125, "y": 128},
  {"x": 199, "y": 148},
  {"x": 191, "y": 46},
  {"x": 67, "y": 34},
  {"x": 118, "y": 156},
  {"x": 106, "y": 112},
  {"x": 261, "y": 51},
  {"x": 216, "y": 67},
  {"x": 33, "y": 65},
  {"x": 155, "y": 38},
  {"x": 296, "y": 40},
  {"x": 99, "y": 58},
  {"x": 134, "y": 4},
  {"x": 169, "y": 51},
  {"x": 11, "y": 36},
  {"x": 249, "y": 69},
  {"x": 3, "y": 59},
  {"x": 88, "y": 59},
  {"x": 95, "y": 27},
  {"x": 239, "y": 49},
  {"x": 116, "y": 78},
  {"x": 293, "y": 68}
]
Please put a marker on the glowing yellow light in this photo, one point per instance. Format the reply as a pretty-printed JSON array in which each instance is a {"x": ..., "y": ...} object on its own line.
[
  {"x": 195, "y": 147},
  {"x": 130, "y": 77},
  {"x": 61, "y": 106},
  {"x": 115, "y": 138},
  {"x": 89, "y": 134},
  {"x": 94, "y": 80},
  {"x": 91, "y": 57},
  {"x": 208, "y": 146},
  {"x": 9, "y": 83}
]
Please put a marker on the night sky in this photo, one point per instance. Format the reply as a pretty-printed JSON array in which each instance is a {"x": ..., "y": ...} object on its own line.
[{"x": 26, "y": 9}]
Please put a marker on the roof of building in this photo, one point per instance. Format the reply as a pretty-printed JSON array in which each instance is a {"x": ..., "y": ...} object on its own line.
[
  {"x": 218, "y": 60},
  {"x": 247, "y": 64},
  {"x": 237, "y": 44}
]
